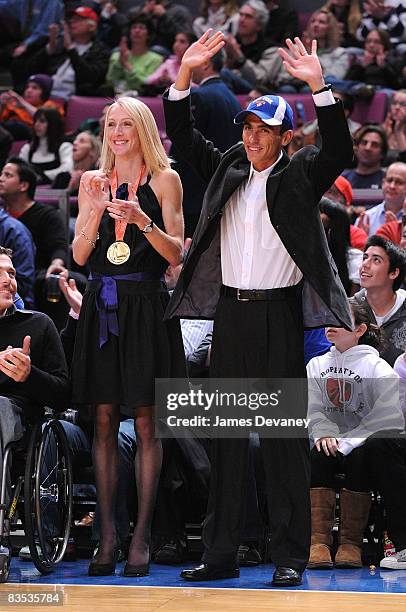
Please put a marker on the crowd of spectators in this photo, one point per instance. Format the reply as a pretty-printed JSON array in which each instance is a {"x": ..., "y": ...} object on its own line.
[{"x": 53, "y": 50}]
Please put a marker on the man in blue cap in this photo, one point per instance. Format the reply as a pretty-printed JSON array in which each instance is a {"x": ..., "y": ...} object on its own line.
[{"x": 260, "y": 266}]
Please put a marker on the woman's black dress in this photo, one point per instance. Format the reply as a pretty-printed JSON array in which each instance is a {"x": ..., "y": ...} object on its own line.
[{"x": 122, "y": 371}]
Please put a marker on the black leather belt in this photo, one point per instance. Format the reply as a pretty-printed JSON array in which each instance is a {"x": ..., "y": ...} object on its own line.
[{"x": 252, "y": 295}]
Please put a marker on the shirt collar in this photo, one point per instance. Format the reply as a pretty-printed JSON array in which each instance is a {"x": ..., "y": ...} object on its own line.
[
  {"x": 9, "y": 311},
  {"x": 264, "y": 173}
]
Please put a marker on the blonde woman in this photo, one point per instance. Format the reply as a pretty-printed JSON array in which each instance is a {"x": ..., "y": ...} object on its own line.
[
  {"x": 129, "y": 228},
  {"x": 334, "y": 59},
  {"x": 348, "y": 15}
]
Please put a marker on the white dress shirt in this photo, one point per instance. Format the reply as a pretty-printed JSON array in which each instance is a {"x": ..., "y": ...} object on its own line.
[{"x": 252, "y": 254}]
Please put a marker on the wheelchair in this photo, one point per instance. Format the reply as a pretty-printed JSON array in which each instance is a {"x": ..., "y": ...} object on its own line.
[{"x": 41, "y": 494}]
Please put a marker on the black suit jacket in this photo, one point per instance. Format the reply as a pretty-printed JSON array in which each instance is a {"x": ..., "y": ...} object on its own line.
[
  {"x": 214, "y": 108},
  {"x": 293, "y": 191}
]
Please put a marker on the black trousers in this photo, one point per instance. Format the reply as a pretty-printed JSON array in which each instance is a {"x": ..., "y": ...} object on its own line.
[
  {"x": 354, "y": 466},
  {"x": 387, "y": 460},
  {"x": 261, "y": 339}
]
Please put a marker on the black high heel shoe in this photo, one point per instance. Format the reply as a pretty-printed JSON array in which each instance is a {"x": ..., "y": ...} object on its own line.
[
  {"x": 103, "y": 569},
  {"x": 136, "y": 571}
]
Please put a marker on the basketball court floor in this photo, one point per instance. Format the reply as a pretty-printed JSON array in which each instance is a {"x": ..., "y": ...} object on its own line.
[{"x": 70, "y": 589}]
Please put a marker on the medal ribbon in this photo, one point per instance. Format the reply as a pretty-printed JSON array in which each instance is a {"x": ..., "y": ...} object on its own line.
[{"x": 121, "y": 225}]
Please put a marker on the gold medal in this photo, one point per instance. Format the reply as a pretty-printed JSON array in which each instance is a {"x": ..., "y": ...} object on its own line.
[{"x": 118, "y": 252}]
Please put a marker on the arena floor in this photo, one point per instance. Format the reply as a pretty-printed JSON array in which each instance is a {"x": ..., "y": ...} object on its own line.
[{"x": 164, "y": 590}]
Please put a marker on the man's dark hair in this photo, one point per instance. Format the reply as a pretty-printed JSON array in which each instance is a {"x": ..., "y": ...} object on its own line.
[
  {"x": 26, "y": 174},
  {"x": 359, "y": 135},
  {"x": 396, "y": 256},
  {"x": 217, "y": 61},
  {"x": 6, "y": 251}
]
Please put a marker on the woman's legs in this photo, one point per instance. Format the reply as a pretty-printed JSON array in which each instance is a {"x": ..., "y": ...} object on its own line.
[
  {"x": 105, "y": 462},
  {"x": 148, "y": 461}
]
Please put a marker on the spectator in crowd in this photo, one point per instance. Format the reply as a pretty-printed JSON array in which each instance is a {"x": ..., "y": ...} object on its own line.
[
  {"x": 389, "y": 16},
  {"x": 282, "y": 23},
  {"x": 395, "y": 124},
  {"x": 76, "y": 60},
  {"x": 370, "y": 148},
  {"x": 165, "y": 74},
  {"x": 31, "y": 19},
  {"x": 111, "y": 23},
  {"x": 85, "y": 155},
  {"x": 336, "y": 224},
  {"x": 17, "y": 188},
  {"x": 33, "y": 372},
  {"x": 348, "y": 103},
  {"x": 218, "y": 15},
  {"x": 391, "y": 209},
  {"x": 382, "y": 273},
  {"x": 16, "y": 237},
  {"x": 308, "y": 133},
  {"x": 395, "y": 230},
  {"x": 6, "y": 140},
  {"x": 348, "y": 15},
  {"x": 214, "y": 108},
  {"x": 134, "y": 62},
  {"x": 341, "y": 192},
  {"x": 334, "y": 59},
  {"x": 387, "y": 455},
  {"x": 17, "y": 112},
  {"x": 48, "y": 152},
  {"x": 373, "y": 68},
  {"x": 353, "y": 394},
  {"x": 248, "y": 53},
  {"x": 167, "y": 19}
]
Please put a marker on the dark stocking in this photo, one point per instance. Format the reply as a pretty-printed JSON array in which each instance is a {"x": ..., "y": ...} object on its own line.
[
  {"x": 105, "y": 462},
  {"x": 148, "y": 461}
]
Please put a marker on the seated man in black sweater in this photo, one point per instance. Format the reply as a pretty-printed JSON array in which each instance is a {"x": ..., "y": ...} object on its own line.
[{"x": 33, "y": 372}]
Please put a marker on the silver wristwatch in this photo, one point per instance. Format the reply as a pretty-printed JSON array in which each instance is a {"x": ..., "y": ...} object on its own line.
[{"x": 148, "y": 228}]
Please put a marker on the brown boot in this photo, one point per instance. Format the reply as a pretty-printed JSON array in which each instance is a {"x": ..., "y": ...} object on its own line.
[
  {"x": 323, "y": 505},
  {"x": 353, "y": 520}
]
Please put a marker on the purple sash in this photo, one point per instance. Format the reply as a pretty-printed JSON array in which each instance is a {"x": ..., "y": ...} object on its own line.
[{"x": 107, "y": 301}]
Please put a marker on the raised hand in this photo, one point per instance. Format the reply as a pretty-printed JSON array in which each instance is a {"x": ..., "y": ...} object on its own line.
[
  {"x": 71, "y": 293},
  {"x": 96, "y": 186},
  {"x": 363, "y": 222},
  {"x": 53, "y": 30},
  {"x": 203, "y": 49},
  {"x": 303, "y": 65},
  {"x": 197, "y": 55}
]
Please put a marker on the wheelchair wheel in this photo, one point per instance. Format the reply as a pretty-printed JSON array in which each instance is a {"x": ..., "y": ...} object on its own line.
[
  {"x": 48, "y": 495},
  {"x": 5, "y": 558}
]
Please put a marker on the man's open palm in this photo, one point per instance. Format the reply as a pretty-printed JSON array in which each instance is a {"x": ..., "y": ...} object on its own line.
[
  {"x": 203, "y": 49},
  {"x": 301, "y": 64}
]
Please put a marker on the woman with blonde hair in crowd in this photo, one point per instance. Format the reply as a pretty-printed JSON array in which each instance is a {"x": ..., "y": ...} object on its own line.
[
  {"x": 217, "y": 14},
  {"x": 85, "y": 155},
  {"x": 348, "y": 16},
  {"x": 129, "y": 228},
  {"x": 323, "y": 28}
]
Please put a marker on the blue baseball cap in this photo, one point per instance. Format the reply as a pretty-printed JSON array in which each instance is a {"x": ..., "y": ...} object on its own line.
[{"x": 272, "y": 110}]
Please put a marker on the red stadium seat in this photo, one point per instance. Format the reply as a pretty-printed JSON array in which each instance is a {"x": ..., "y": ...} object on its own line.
[{"x": 80, "y": 108}]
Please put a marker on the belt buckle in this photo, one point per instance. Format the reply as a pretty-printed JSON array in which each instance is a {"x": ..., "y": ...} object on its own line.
[{"x": 240, "y": 299}]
